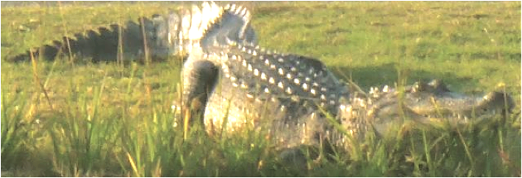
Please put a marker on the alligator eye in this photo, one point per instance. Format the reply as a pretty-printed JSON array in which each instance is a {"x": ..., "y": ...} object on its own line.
[
  {"x": 485, "y": 109},
  {"x": 416, "y": 87},
  {"x": 438, "y": 85},
  {"x": 420, "y": 86}
]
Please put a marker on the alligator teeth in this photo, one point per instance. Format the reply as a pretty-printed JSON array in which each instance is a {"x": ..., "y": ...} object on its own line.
[
  {"x": 385, "y": 88},
  {"x": 256, "y": 72},
  {"x": 373, "y": 90},
  {"x": 249, "y": 67}
]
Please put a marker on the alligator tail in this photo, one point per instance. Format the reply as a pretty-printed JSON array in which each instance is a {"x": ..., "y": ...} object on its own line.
[
  {"x": 233, "y": 27},
  {"x": 158, "y": 37},
  {"x": 104, "y": 43}
]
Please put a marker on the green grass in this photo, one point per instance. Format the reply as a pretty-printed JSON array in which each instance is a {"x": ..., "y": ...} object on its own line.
[{"x": 104, "y": 119}]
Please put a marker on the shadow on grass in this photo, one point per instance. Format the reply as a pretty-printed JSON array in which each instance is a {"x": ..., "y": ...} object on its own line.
[{"x": 387, "y": 74}]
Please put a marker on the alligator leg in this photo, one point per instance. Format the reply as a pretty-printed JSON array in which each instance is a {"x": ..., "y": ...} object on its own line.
[{"x": 199, "y": 77}]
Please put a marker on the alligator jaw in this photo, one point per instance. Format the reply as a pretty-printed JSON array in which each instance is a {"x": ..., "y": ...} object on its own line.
[
  {"x": 465, "y": 109},
  {"x": 432, "y": 104}
]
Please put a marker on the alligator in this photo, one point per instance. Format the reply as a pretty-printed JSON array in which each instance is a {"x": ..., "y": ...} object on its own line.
[
  {"x": 237, "y": 84},
  {"x": 298, "y": 101},
  {"x": 158, "y": 37}
]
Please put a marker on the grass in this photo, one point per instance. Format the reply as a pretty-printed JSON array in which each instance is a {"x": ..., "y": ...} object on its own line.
[{"x": 104, "y": 119}]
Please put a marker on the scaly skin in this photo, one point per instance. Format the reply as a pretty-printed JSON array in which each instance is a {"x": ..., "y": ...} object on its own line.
[
  {"x": 296, "y": 98},
  {"x": 164, "y": 36},
  {"x": 427, "y": 104},
  {"x": 233, "y": 25},
  {"x": 291, "y": 96},
  {"x": 299, "y": 101},
  {"x": 103, "y": 43}
]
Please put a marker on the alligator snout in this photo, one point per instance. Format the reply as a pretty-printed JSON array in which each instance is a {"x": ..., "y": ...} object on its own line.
[
  {"x": 501, "y": 100},
  {"x": 461, "y": 109},
  {"x": 433, "y": 104}
]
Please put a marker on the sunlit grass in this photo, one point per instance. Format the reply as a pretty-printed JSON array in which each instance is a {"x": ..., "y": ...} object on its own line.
[{"x": 103, "y": 119}]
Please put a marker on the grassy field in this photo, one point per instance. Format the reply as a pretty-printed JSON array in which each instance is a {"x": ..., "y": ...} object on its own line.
[{"x": 105, "y": 119}]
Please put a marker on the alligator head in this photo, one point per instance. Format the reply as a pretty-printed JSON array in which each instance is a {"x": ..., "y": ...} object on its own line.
[{"x": 427, "y": 104}]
